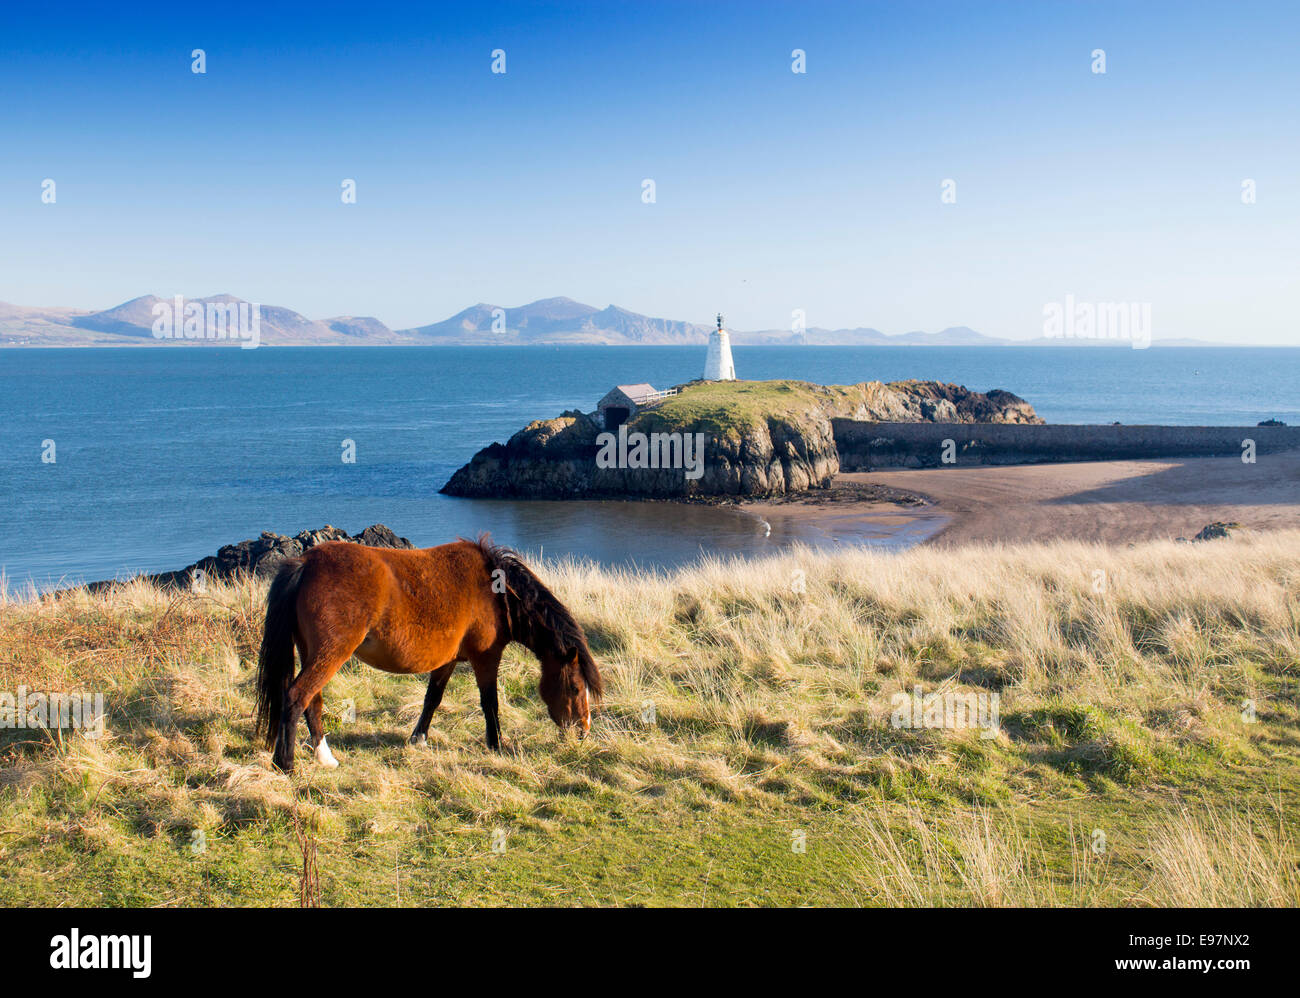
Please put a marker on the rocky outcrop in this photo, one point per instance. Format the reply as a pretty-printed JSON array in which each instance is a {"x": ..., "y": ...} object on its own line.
[
  {"x": 1216, "y": 530},
  {"x": 548, "y": 458},
  {"x": 557, "y": 459},
  {"x": 262, "y": 556},
  {"x": 759, "y": 439},
  {"x": 947, "y": 403}
]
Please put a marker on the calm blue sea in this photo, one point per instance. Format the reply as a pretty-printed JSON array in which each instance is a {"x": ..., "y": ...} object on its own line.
[{"x": 165, "y": 454}]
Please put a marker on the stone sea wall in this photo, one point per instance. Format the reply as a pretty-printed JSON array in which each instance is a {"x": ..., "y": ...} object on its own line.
[{"x": 865, "y": 446}]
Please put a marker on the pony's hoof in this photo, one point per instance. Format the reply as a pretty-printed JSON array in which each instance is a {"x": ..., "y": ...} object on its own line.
[
  {"x": 420, "y": 741},
  {"x": 325, "y": 757}
]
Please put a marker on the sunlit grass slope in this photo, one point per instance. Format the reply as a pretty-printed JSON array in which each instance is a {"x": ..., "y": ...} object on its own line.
[{"x": 1148, "y": 751}]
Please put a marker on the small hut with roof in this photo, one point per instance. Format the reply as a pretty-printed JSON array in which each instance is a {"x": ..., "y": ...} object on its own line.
[{"x": 622, "y": 402}]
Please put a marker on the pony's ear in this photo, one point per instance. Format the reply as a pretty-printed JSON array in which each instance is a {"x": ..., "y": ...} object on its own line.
[{"x": 573, "y": 660}]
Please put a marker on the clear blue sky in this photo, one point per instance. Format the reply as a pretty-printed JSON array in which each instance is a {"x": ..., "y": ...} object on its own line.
[{"x": 775, "y": 191}]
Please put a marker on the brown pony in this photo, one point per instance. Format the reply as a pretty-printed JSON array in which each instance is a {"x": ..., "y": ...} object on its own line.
[{"x": 412, "y": 612}]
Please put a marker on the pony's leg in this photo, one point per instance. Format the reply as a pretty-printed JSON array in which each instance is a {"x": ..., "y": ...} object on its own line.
[
  {"x": 312, "y": 713},
  {"x": 485, "y": 671},
  {"x": 287, "y": 734},
  {"x": 288, "y": 731},
  {"x": 323, "y": 664},
  {"x": 316, "y": 731},
  {"x": 432, "y": 697}
]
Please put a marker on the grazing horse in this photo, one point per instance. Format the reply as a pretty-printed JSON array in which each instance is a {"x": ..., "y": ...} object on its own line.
[{"x": 413, "y": 611}]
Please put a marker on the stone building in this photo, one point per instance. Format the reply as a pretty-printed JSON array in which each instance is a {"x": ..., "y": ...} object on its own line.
[{"x": 622, "y": 401}]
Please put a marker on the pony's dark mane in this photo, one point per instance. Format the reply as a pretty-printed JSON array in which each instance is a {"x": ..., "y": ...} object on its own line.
[{"x": 536, "y": 618}]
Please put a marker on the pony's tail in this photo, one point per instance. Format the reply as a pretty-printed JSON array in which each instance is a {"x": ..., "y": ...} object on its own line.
[{"x": 275, "y": 661}]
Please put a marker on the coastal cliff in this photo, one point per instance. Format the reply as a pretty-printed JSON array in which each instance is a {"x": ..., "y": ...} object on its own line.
[{"x": 759, "y": 438}]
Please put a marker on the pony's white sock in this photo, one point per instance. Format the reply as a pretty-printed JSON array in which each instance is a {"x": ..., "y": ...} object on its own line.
[{"x": 324, "y": 756}]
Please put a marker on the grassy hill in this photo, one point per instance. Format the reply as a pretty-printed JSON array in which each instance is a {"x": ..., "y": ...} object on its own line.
[
  {"x": 734, "y": 409},
  {"x": 1148, "y": 750}
]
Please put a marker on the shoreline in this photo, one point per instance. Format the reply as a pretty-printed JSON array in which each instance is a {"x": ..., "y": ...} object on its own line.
[
  {"x": 1111, "y": 502},
  {"x": 851, "y": 512},
  {"x": 1104, "y": 501}
]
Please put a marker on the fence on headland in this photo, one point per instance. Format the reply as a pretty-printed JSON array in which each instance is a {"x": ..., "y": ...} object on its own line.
[
  {"x": 864, "y": 446},
  {"x": 654, "y": 396}
]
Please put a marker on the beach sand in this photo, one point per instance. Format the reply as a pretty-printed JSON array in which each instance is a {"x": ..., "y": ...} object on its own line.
[{"x": 1110, "y": 501}]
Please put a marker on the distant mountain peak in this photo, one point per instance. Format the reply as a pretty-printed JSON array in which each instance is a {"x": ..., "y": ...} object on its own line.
[{"x": 558, "y": 300}]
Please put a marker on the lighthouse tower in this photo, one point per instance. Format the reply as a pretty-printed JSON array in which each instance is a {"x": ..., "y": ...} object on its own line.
[{"x": 717, "y": 364}]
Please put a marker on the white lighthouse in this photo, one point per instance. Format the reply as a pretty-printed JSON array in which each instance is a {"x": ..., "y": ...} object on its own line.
[{"x": 717, "y": 364}]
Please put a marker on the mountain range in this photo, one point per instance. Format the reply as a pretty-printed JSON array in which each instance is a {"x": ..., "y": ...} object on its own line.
[{"x": 545, "y": 322}]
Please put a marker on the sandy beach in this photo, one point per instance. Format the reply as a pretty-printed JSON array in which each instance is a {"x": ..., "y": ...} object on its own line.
[{"x": 1111, "y": 501}]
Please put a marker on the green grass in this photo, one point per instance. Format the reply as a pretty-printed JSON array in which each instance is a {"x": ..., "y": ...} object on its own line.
[{"x": 728, "y": 409}]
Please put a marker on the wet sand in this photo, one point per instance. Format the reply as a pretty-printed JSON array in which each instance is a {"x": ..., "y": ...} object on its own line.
[{"x": 1110, "y": 501}]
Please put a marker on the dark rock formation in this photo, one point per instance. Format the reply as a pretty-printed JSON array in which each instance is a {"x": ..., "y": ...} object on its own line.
[
  {"x": 549, "y": 458},
  {"x": 948, "y": 403},
  {"x": 1213, "y": 531},
  {"x": 263, "y": 555}
]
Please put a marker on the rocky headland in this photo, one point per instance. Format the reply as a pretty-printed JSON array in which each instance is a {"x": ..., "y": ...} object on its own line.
[
  {"x": 262, "y": 556},
  {"x": 760, "y": 438}
]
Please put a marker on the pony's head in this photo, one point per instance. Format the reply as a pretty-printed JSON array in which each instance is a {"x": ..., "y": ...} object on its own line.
[
  {"x": 565, "y": 690},
  {"x": 539, "y": 621}
]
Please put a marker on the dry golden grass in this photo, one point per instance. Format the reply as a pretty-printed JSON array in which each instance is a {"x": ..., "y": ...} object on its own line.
[{"x": 745, "y": 700}]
